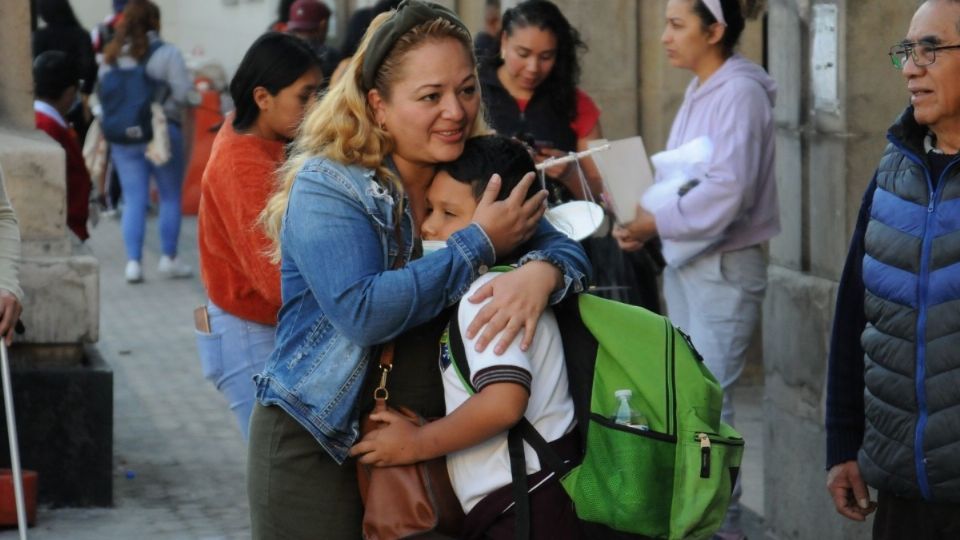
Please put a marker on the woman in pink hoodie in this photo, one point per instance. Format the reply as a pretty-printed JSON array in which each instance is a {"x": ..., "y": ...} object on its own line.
[{"x": 717, "y": 295}]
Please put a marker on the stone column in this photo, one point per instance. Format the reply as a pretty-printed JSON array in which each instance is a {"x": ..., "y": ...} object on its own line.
[
  {"x": 60, "y": 279},
  {"x": 838, "y": 95},
  {"x": 62, "y": 389}
]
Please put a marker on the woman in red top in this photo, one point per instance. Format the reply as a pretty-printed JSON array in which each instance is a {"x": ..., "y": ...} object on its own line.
[
  {"x": 531, "y": 93},
  {"x": 276, "y": 81}
]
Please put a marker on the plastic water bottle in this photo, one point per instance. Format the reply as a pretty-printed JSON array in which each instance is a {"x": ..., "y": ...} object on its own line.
[{"x": 627, "y": 415}]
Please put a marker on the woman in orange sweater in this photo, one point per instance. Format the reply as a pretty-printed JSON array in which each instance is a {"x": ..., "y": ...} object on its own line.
[{"x": 276, "y": 81}]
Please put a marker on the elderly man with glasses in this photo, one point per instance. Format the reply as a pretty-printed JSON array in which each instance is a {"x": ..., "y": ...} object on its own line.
[{"x": 893, "y": 385}]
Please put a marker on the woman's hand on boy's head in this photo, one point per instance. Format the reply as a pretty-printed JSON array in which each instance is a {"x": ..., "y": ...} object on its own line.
[
  {"x": 518, "y": 299},
  {"x": 512, "y": 221},
  {"x": 393, "y": 444}
]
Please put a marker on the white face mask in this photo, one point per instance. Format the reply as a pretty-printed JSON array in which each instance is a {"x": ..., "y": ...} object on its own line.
[{"x": 430, "y": 246}]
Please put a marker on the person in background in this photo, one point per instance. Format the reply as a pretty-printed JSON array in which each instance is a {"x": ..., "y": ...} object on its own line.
[
  {"x": 531, "y": 92},
  {"x": 486, "y": 43},
  {"x": 345, "y": 218},
  {"x": 276, "y": 82},
  {"x": 108, "y": 185},
  {"x": 283, "y": 15},
  {"x": 717, "y": 296},
  {"x": 356, "y": 28},
  {"x": 64, "y": 33},
  {"x": 139, "y": 29},
  {"x": 10, "y": 292},
  {"x": 309, "y": 20},
  {"x": 893, "y": 410},
  {"x": 103, "y": 33},
  {"x": 55, "y": 87}
]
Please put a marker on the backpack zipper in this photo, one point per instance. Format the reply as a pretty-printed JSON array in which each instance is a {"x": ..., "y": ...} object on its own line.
[
  {"x": 706, "y": 443},
  {"x": 704, "y": 455}
]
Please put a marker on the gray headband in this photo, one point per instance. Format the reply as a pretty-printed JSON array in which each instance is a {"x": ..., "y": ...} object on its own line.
[{"x": 410, "y": 13}]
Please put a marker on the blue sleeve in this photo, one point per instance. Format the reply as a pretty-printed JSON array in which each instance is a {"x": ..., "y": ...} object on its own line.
[
  {"x": 844, "y": 415},
  {"x": 550, "y": 245},
  {"x": 334, "y": 242}
]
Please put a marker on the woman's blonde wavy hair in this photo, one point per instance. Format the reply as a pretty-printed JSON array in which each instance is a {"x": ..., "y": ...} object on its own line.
[{"x": 341, "y": 126}]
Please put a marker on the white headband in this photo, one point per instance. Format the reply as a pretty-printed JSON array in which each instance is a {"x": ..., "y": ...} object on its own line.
[{"x": 716, "y": 9}]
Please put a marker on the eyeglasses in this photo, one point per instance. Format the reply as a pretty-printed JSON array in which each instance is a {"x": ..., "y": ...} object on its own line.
[{"x": 922, "y": 54}]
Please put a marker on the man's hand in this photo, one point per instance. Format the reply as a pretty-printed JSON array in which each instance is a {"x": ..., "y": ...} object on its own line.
[
  {"x": 10, "y": 309},
  {"x": 849, "y": 491}
]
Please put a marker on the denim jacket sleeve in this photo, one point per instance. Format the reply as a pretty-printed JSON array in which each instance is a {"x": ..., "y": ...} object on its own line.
[
  {"x": 337, "y": 245},
  {"x": 550, "y": 245}
]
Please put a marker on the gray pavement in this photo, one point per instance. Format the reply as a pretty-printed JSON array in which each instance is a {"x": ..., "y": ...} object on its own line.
[{"x": 178, "y": 455}]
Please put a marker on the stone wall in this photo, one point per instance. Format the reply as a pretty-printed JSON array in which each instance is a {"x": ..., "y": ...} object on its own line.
[
  {"x": 827, "y": 150},
  {"x": 16, "y": 84}
]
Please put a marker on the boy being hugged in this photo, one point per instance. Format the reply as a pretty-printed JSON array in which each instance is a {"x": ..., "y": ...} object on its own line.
[{"x": 509, "y": 386}]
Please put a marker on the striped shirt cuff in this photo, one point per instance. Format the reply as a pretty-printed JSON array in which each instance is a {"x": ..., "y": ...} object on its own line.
[{"x": 500, "y": 374}]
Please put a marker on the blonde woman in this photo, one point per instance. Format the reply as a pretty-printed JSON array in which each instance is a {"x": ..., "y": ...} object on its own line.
[{"x": 351, "y": 201}]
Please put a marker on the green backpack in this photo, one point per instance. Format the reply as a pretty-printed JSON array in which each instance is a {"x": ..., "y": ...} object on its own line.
[{"x": 672, "y": 480}]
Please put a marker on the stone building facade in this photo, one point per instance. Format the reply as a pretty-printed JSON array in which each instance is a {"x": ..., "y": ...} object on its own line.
[{"x": 837, "y": 96}]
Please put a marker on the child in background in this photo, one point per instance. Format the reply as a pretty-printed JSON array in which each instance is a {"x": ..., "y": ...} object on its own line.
[
  {"x": 531, "y": 383},
  {"x": 56, "y": 84}
]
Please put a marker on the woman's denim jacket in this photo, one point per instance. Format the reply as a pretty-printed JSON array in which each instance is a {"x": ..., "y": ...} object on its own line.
[{"x": 340, "y": 299}]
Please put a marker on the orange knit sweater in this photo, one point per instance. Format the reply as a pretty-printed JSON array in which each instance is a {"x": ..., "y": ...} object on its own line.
[{"x": 238, "y": 179}]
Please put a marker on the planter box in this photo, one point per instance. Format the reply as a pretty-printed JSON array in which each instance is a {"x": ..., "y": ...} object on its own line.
[{"x": 65, "y": 426}]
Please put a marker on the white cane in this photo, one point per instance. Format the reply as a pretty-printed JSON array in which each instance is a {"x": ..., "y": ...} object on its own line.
[{"x": 14, "y": 447}]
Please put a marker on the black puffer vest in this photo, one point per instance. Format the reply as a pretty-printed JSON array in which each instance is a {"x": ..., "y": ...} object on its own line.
[
  {"x": 911, "y": 275},
  {"x": 538, "y": 119}
]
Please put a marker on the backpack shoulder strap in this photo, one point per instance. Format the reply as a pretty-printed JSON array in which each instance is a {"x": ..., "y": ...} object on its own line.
[
  {"x": 152, "y": 48},
  {"x": 522, "y": 431},
  {"x": 518, "y": 461},
  {"x": 529, "y": 433}
]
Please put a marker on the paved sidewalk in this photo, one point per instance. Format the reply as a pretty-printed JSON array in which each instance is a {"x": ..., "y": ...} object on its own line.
[{"x": 178, "y": 455}]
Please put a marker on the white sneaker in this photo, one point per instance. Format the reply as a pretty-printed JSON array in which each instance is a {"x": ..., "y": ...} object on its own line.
[
  {"x": 172, "y": 268},
  {"x": 133, "y": 273}
]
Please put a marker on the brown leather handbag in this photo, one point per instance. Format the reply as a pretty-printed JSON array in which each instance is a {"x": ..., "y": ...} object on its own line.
[{"x": 405, "y": 501}]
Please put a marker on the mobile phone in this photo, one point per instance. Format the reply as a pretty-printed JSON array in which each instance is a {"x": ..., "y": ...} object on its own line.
[
  {"x": 201, "y": 319},
  {"x": 541, "y": 144}
]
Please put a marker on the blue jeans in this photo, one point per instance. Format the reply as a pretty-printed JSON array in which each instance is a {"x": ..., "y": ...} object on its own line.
[
  {"x": 134, "y": 172},
  {"x": 231, "y": 354}
]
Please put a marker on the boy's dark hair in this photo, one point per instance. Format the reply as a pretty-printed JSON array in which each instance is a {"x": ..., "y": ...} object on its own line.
[
  {"x": 487, "y": 155},
  {"x": 53, "y": 74}
]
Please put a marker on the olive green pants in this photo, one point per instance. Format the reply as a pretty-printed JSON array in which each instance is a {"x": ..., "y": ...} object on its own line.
[{"x": 296, "y": 490}]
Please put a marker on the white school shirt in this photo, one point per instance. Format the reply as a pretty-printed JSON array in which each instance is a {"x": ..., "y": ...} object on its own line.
[{"x": 477, "y": 471}]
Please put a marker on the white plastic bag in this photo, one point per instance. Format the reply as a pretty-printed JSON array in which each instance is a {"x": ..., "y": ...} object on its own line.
[
  {"x": 679, "y": 171},
  {"x": 158, "y": 149}
]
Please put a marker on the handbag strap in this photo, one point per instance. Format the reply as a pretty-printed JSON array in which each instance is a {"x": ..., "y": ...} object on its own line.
[{"x": 381, "y": 394}]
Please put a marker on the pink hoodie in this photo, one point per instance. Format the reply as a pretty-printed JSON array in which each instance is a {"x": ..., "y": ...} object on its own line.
[{"x": 738, "y": 197}]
